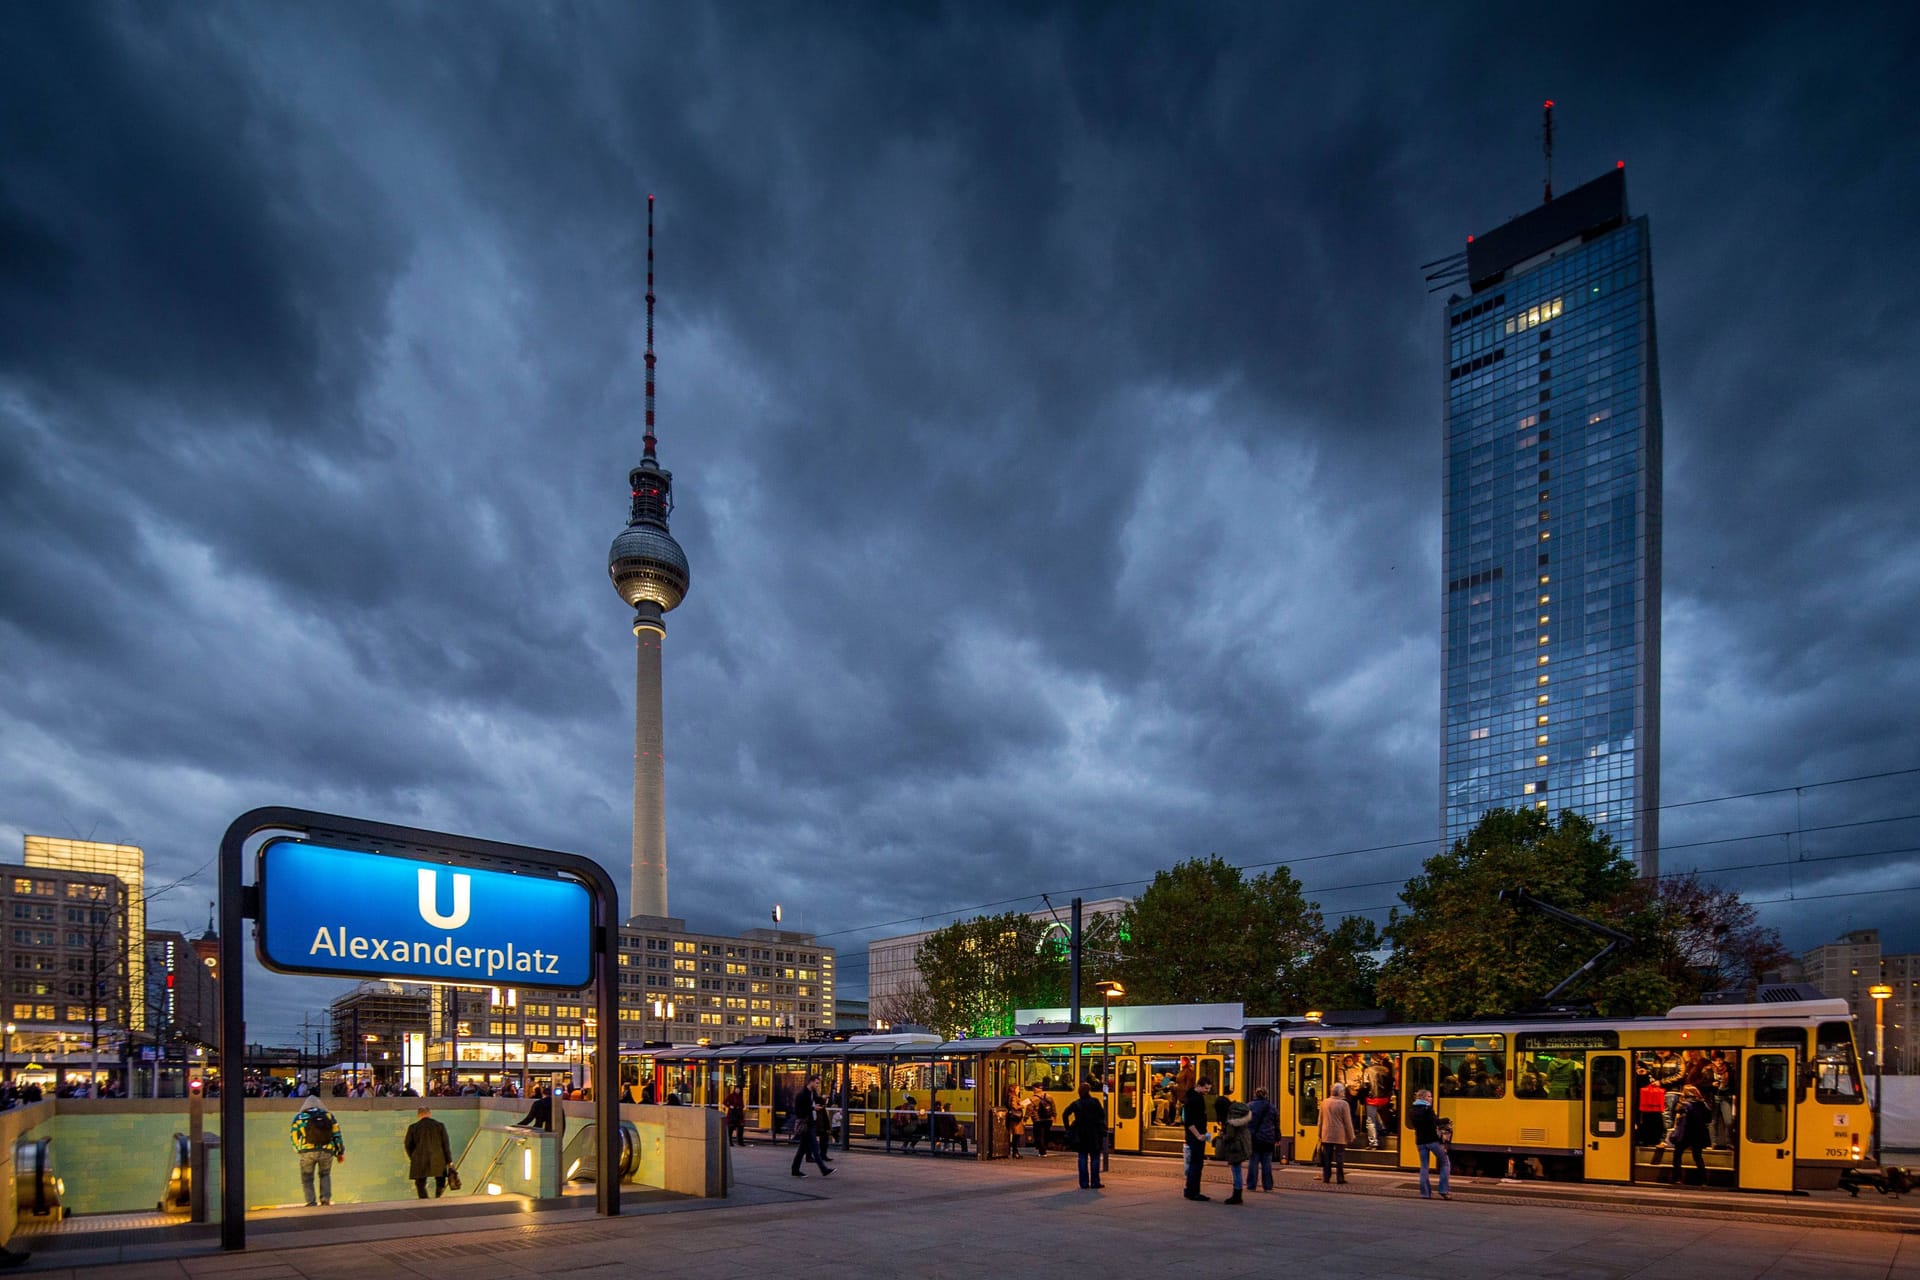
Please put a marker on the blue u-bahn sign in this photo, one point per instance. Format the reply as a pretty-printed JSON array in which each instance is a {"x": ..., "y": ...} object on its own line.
[{"x": 373, "y": 915}]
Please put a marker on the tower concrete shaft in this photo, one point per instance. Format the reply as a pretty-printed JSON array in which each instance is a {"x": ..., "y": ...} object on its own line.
[{"x": 649, "y": 889}]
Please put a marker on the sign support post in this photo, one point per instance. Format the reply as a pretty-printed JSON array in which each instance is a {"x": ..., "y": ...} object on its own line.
[{"x": 483, "y": 860}]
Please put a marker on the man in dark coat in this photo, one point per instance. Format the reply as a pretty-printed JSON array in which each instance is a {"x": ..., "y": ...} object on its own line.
[
  {"x": 1086, "y": 1123},
  {"x": 428, "y": 1154}
]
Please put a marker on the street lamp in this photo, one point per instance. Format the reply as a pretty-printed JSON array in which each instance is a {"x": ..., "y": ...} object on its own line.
[
  {"x": 1108, "y": 989},
  {"x": 1881, "y": 993},
  {"x": 662, "y": 1013},
  {"x": 6, "y": 1055}
]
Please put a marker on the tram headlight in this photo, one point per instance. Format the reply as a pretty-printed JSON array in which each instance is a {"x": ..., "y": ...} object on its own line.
[{"x": 1856, "y": 1145}]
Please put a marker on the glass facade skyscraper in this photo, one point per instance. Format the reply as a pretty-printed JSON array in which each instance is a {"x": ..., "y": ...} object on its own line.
[{"x": 1550, "y": 685}]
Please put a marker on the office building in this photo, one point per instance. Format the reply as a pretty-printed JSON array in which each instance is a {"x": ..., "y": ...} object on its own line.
[
  {"x": 1550, "y": 683},
  {"x": 676, "y": 987},
  {"x": 65, "y": 937},
  {"x": 1847, "y": 969},
  {"x": 128, "y": 864}
]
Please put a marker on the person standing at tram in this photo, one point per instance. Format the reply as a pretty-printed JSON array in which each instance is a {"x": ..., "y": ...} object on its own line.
[
  {"x": 1042, "y": 1111},
  {"x": 1010, "y": 1102},
  {"x": 1336, "y": 1133},
  {"x": 1426, "y": 1123},
  {"x": 736, "y": 1107},
  {"x": 1086, "y": 1125},
  {"x": 1263, "y": 1127},
  {"x": 1691, "y": 1123},
  {"x": 1193, "y": 1118}
]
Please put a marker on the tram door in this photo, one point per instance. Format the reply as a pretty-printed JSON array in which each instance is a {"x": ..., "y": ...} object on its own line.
[
  {"x": 1766, "y": 1119},
  {"x": 1420, "y": 1071},
  {"x": 1125, "y": 1104},
  {"x": 1609, "y": 1125},
  {"x": 1312, "y": 1085}
]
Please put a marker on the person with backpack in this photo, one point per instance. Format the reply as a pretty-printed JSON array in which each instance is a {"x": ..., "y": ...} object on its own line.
[
  {"x": 316, "y": 1136},
  {"x": 1042, "y": 1108},
  {"x": 1430, "y": 1134}
]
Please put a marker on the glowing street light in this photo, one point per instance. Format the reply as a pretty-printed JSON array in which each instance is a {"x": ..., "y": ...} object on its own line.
[
  {"x": 1108, "y": 989},
  {"x": 1881, "y": 993}
]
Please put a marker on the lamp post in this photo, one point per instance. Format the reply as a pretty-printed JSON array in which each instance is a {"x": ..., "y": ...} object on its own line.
[
  {"x": 6, "y": 1057},
  {"x": 1108, "y": 989},
  {"x": 662, "y": 1012},
  {"x": 1881, "y": 993}
]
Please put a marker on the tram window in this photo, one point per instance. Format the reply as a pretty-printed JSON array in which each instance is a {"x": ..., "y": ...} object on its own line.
[
  {"x": 1051, "y": 1067},
  {"x": 1608, "y": 1115},
  {"x": 1558, "y": 1076},
  {"x": 1836, "y": 1065},
  {"x": 1127, "y": 1098},
  {"x": 1311, "y": 1090},
  {"x": 1473, "y": 1067},
  {"x": 1224, "y": 1048},
  {"x": 1768, "y": 1097},
  {"x": 1419, "y": 1077},
  {"x": 1093, "y": 1070}
]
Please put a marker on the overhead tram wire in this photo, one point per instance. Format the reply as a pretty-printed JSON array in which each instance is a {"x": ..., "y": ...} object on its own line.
[{"x": 1429, "y": 841}]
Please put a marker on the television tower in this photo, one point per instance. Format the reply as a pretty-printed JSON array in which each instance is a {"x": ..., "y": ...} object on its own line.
[{"x": 649, "y": 570}]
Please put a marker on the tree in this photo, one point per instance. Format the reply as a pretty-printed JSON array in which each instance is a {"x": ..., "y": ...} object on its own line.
[
  {"x": 1202, "y": 932},
  {"x": 1459, "y": 952},
  {"x": 1712, "y": 938},
  {"x": 977, "y": 972}
]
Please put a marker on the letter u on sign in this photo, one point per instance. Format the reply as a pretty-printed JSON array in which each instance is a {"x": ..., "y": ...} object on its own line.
[{"x": 430, "y": 899}]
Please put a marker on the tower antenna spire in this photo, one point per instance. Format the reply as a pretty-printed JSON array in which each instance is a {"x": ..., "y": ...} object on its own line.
[
  {"x": 1546, "y": 140},
  {"x": 649, "y": 325}
]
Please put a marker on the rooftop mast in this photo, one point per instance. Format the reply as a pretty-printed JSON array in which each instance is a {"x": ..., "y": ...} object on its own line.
[{"x": 1546, "y": 138}]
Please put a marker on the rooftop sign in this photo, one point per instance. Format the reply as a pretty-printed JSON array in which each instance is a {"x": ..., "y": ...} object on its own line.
[{"x": 346, "y": 913}]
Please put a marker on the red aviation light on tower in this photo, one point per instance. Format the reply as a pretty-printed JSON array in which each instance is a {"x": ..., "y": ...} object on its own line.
[{"x": 1619, "y": 164}]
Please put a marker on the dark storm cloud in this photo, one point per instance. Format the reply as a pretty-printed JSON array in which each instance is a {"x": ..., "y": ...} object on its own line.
[{"x": 1052, "y": 401}]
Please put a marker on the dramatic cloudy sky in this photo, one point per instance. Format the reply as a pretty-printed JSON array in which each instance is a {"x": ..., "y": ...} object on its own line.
[{"x": 1054, "y": 404}]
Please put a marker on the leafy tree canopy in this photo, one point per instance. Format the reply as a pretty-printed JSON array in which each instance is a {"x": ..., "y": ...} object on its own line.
[
  {"x": 1460, "y": 952},
  {"x": 1203, "y": 932},
  {"x": 975, "y": 973}
]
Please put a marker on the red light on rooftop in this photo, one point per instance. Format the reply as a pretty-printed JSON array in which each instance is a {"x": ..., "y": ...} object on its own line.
[
  {"x": 1619, "y": 164},
  {"x": 1549, "y": 104},
  {"x": 1469, "y": 239}
]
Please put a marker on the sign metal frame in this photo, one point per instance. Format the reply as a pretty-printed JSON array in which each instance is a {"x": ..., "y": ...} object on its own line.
[{"x": 240, "y": 903}]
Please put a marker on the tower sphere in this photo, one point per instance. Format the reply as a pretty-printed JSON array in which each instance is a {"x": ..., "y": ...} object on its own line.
[{"x": 647, "y": 565}]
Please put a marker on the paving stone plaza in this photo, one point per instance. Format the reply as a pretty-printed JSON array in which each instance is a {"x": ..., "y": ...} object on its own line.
[{"x": 883, "y": 1215}]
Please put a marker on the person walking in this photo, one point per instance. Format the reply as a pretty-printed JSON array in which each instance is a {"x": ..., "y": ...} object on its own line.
[
  {"x": 1085, "y": 1120},
  {"x": 1692, "y": 1124},
  {"x": 736, "y": 1106},
  {"x": 1235, "y": 1143},
  {"x": 1427, "y": 1126},
  {"x": 316, "y": 1136},
  {"x": 1263, "y": 1130},
  {"x": 429, "y": 1154},
  {"x": 1336, "y": 1132},
  {"x": 805, "y": 1103},
  {"x": 1043, "y": 1112},
  {"x": 1193, "y": 1118}
]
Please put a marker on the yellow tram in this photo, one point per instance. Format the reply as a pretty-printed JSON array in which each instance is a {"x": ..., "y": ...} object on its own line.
[
  {"x": 1570, "y": 1098},
  {"x": 918, "y": 1091}
]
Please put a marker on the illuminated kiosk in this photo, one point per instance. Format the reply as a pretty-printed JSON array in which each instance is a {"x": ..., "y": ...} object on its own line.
[{"x": 343, "y": 897}]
